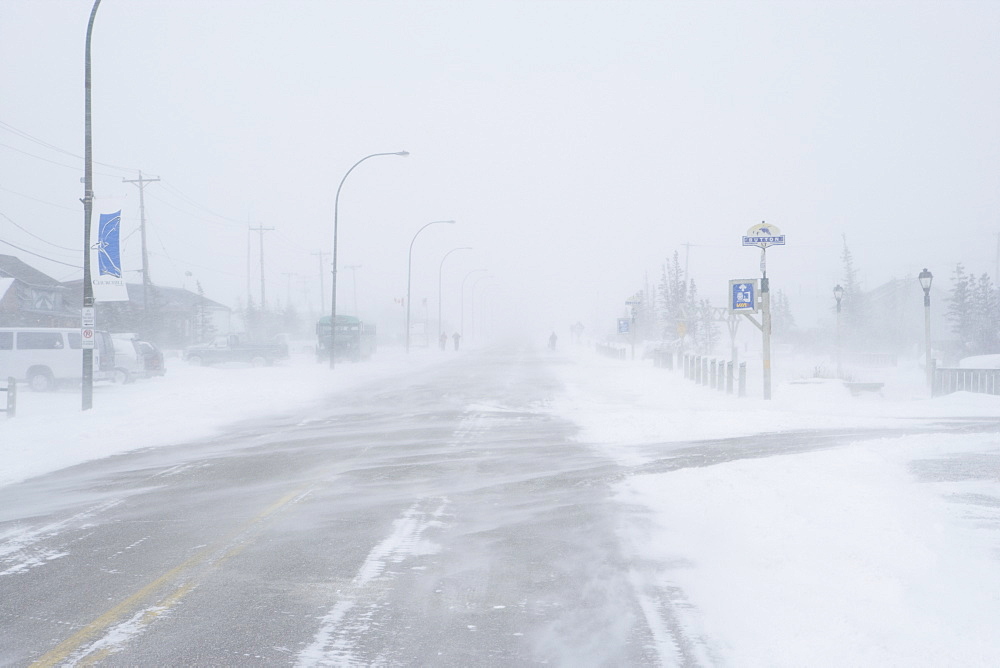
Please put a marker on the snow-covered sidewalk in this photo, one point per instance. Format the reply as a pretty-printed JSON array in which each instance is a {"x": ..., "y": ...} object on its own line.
[
  {"x": 847, "y": 556},
  {"x": 50, "y": 431}
]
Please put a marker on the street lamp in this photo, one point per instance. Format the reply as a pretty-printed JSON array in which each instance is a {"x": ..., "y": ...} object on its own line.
[
  {"x": 472, "y": 299},
  {"x": 409, "y": 264},
  {"x": 838, "y": 294},
  {"x": 461, "y": 327},
  {"x": 925, "y": 277},
  {"x": 440, "y": 270},
  {"x": 87, "y": 314},
  {"x": 336, "y": 206}
]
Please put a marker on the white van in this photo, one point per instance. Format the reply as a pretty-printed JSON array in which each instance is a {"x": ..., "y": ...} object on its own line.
[{"x": 47, "y": 356}]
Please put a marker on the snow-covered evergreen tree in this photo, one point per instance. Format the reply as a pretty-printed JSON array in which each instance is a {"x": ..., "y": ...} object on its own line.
[
  {"x": 985, "y": 316},
  {"x": 854, "y": 305},
  {"x": 960, "y": 306}
]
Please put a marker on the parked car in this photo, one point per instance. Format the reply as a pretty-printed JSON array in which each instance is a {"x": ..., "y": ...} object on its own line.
[
  {"x": 135, "y": 358},
  {"x": 152, "y": 359},
  {"x": 44, "y": 357},
  {"x": 231, "y": 348}
]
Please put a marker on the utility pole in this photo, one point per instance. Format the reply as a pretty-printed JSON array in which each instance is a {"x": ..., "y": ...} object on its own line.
[
  {"x": 322, "y": 294},
  {"x": 687, "y": 256},
  {"x": 261, "y": 229},
  {"x": 354, "y": 284},
  {"x": 288, "y": 286},
  {"x": 141, "y": 183}
]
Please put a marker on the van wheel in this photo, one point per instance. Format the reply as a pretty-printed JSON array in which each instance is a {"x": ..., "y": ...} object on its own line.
[
  {"x": 122, "y": 376},
  {"x": 194, "y": 360},
  {"x": 41, "y": 381},
  {"x": 258, "y": 361}
]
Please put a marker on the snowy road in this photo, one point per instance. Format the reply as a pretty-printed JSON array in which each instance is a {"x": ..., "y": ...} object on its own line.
[{"x": 447, "y": 517}]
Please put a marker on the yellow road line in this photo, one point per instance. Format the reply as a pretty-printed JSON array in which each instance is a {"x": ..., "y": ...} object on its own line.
[{"x": 75, "y": 642}]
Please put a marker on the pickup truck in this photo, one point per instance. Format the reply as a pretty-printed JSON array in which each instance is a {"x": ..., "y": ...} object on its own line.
[{"x": 223, "y": 349}]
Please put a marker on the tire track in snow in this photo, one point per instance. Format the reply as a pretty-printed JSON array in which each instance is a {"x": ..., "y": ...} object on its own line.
[
  {"x": 334, "y": 642},
  {"x": 19, "y": 550}
]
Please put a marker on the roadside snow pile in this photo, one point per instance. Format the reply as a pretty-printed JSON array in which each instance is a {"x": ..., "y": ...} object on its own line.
[
  {"x": 51, "y": 432},
  {"x": 616, "y": 402},
  {"x": 877, "y": 552}
]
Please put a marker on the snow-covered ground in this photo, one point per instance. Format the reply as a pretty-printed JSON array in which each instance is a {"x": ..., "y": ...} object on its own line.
[
  {"x": 51, "y": 432},
  {"x": 839, "y": 556},
  {"x": 842, "y": 556}
]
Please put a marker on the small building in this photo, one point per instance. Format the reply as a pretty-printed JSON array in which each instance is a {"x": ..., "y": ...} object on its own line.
[
  {"x": 29, "y": 297},
  {"x": 173, "y": 318}
]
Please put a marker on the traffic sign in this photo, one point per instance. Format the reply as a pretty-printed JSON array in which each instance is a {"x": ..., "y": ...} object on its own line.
[
  {"x": 89, "y": 321},
  {"x": 743, "y": 295},
  {"x": 764, "y": 235},
  {"x": 623, "y": 325}
]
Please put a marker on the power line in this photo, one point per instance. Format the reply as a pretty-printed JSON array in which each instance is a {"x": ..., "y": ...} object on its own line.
[
  {"x": 21, "y": 133},
  {"x": 11, "y": 221},
  {"x": 25, "y": 250},
  {"x": 58, "y": 206},
  {"x": 177, "y": 193}
]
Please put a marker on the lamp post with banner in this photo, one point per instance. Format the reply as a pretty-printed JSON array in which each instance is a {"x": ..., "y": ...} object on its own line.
[
  {"x": 763, "y": 236},
  {"x": 838, "y": 294},
  {"x": 925, "y": 277}
]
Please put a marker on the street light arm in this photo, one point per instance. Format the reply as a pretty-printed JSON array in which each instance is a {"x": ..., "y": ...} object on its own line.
[
  {"x": 373, "y": 155},
  {"x": 336, "y": 210},
  {"x": 409, "y": 264},
  {"x": 440, "y": 273},
  {"x": 462, "y": 295}
]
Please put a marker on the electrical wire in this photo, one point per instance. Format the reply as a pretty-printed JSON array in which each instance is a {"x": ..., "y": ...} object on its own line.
[
  {"x": 169, "y": 187},
  {"x": 58, "y": 206},
  {"x": 25, "y": 250},
  {"x": 21, "y": 133},
  {"x": 11, "y": 221}
]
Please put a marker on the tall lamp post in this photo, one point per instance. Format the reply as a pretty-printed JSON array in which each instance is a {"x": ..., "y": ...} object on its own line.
[
  {"x": 87, "y": 385},
  {"x": 440, "y": 271},
  {"x": 472, "y": 299},
  {"x": 925, "y": 277},
  {"x": 838, "y": 294},
  {"x": 409, "y": 265},
  {"x": 336, "y": 207},
  {"x": 461, "y": 327}
]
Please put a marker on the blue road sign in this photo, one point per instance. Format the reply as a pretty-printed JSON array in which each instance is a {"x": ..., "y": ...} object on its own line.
[
  {"x": 743, "y": 295},
  {"x": 623, "y": 325}
]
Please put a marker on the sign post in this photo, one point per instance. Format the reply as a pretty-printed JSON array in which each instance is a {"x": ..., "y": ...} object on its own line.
[
  {"x": 87, "y": 327},
  {"x": 633, "y": 303},
  {"x": 762, "y": 236}
]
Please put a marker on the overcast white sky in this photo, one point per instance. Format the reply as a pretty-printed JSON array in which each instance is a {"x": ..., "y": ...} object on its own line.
[{"x": 577, "y": 144}]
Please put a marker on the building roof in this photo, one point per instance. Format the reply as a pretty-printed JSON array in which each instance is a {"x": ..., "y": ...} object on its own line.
[
  {"x": 171, "y": 298},
  {"x": 12, "y": 267},
  {"x": 5, "y": 285}
]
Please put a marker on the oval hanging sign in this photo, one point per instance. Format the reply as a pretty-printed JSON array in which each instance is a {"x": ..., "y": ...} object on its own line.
[{"x": 764, "y": 235}]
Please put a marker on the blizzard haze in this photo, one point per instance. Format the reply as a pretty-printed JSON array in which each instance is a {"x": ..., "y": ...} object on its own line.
[{"x": 578, "y": 145}]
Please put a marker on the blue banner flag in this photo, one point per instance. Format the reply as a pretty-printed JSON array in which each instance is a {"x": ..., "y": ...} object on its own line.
[{"x": 108, "y": 252}]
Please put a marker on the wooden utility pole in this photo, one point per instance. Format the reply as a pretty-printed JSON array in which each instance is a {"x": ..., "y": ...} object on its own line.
[
  {"x": 261, "y": 229},
  {"x": 354, "y": 285},
  {"x": 322, "y": 293},
  {"x": 141, "y": 183}
]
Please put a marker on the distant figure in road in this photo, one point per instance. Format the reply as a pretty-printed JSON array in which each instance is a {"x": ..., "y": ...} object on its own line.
[
  {"x": 457, "y": 337},
  {"x": 552, "y": 341},
  {"x": 443, "y": 340}
]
